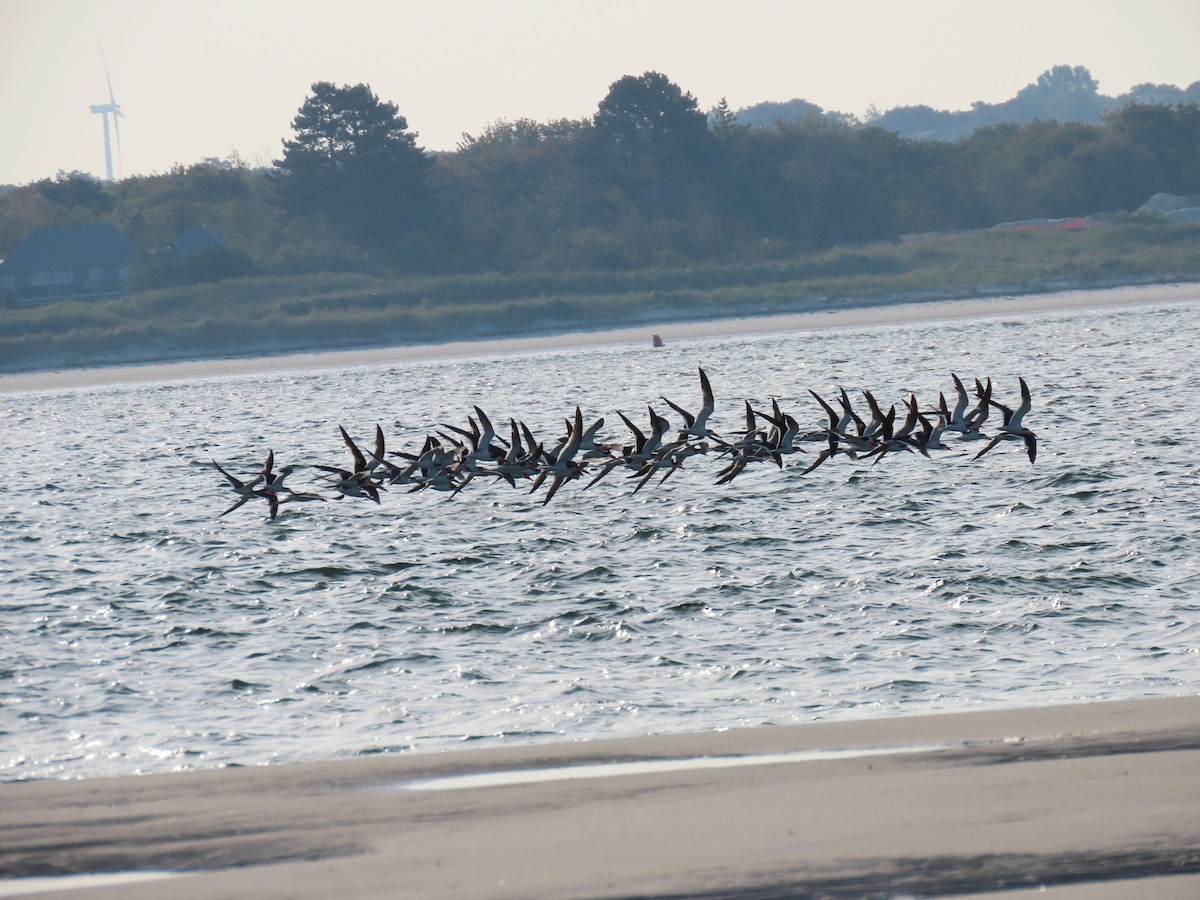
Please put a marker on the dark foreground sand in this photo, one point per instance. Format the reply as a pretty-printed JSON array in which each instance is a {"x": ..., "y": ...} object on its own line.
[
  {"x": 1091, "y": 800},
  {"x": 839, "y": 318}
]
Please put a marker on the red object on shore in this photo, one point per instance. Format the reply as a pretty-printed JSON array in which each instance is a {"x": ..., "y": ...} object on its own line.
[{"x": 656, "y": 341}]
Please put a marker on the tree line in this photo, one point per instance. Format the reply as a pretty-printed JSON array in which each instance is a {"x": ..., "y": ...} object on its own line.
[
  {"x": 1061, "y": 93},
  {"x": 649, "y": 180}
]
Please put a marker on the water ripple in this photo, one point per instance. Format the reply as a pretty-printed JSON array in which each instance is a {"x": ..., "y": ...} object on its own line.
[{"x": 142, "y": 633}]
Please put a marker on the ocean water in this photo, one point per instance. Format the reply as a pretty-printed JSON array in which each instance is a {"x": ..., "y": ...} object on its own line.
[{"x": 140, "y": 632}]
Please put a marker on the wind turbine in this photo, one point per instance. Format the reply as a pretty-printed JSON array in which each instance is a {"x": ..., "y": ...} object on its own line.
[{"x": 111, "y": 107}]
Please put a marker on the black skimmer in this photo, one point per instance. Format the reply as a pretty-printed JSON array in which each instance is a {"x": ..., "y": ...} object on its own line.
[
  {"x": 636, "y": 455},
  {"x": 292, "y": 497},
  {"x": 832, "y": 433},
  {"x": 752, "y": 446},
  {"x": 669, "y": 456},
  {"x": 247, "y": 490},
  {"x": 978, "y": 414},
  {"x": 896, "y": 439},
  {"x": 930, "y": 436},
  {"x": 450, "y": 460},
  {"x": 272, "y": 487},
  {"x": 562, "y": 467},
  {"x": 849, "y": 416},
  {"x": 955, "y": 419},
  {"x": 785, "y": 431},
  {"x": 1013, "y": 429},
  {"x": 515, "y": 462},
  {"x": 436, "y": 466},
  {"x": 482, "y": 447},
  {"x": 696, "y": 425},
  {"x": 676, "y": 459},
  {"x": 589, "y": 449},
  {"x": 356, "y": 482}
]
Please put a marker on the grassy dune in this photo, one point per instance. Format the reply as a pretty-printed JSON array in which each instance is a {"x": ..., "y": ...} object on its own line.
[{"x": 261, "y": 316}]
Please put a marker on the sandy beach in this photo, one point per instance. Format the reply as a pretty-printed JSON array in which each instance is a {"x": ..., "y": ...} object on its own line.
[
  {"x": 1137, "y": 295},
  {"x": 1089, "y": 800}
]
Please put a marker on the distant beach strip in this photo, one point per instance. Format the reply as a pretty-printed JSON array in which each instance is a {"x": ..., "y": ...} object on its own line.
[{"x": 880, "y": 314}]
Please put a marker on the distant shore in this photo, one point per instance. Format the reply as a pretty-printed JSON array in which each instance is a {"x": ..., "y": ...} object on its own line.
[
  {"x": 1076, "y": 800},
  {"x": 850, "y": 317}
]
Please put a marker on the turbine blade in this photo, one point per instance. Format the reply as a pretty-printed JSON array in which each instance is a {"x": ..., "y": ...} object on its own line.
[{"x": 111, "y": 97}]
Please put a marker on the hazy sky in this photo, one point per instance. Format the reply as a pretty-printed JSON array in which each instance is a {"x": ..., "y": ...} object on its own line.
[{"x": 206, "y": 79}]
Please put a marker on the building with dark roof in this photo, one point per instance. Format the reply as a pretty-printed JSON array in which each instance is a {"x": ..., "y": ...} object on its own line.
[{"x": 69, "y": 262}]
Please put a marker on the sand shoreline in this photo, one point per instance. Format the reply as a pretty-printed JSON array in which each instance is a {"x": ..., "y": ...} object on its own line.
[
  {"x": 1094, "y": 799},
  {"x": 878, "y": 314}
]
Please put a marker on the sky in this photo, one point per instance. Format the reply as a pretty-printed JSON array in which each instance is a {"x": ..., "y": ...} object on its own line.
[{"x": 199, "y": 80}]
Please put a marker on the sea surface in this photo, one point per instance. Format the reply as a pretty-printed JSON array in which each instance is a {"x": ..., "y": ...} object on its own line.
[{"x": 141, "y": 632}]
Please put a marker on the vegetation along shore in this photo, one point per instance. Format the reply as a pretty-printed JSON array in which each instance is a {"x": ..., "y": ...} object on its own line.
[
  {"x": 266, "y": 316},
  {"x": 650, "y": 211}
]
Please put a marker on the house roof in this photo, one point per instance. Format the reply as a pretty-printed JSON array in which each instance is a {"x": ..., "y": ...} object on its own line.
[{"x": 72, "y": 245}]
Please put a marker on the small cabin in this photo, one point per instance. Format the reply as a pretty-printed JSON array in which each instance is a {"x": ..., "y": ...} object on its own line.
[{"x": 76, "y": 261}]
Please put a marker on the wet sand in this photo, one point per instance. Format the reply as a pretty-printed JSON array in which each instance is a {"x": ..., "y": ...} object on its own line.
[
  {"x": 1088, "y": 800},
  {"x": 839, "y": 318}
]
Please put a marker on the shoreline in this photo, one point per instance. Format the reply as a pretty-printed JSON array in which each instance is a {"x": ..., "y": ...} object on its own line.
[
  {"x": 1090, "y": 799},
  {"x": 876, "y": 314}
]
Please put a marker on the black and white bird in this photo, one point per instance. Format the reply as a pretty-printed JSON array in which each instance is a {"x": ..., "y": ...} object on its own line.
[
  {"x": 1013, "y": 428},
  {"x": 696, "y": 424}
]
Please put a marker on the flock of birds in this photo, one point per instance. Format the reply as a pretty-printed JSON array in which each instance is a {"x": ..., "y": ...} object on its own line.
[{"x": 455, "y": 457}]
